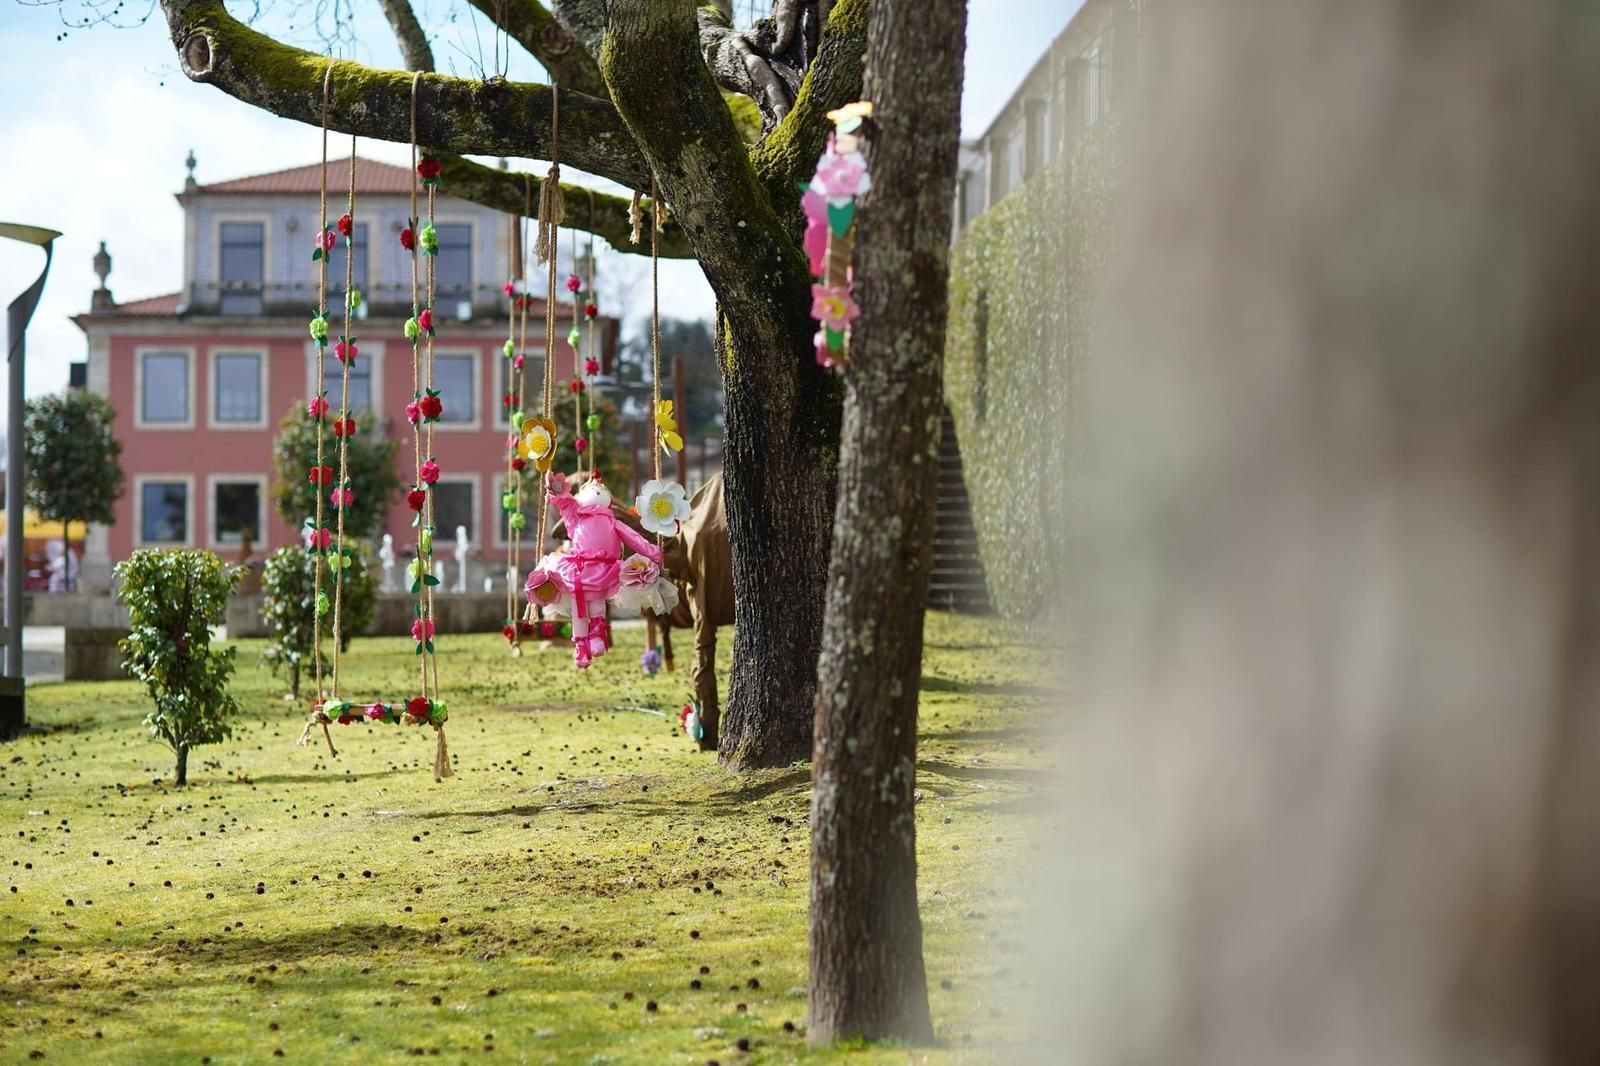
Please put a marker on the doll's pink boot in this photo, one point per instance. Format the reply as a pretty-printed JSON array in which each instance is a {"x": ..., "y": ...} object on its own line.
[{"x": 599, "y": 637}]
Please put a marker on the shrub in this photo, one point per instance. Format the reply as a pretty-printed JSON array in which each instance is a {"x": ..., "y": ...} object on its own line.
[
  {"x": 288, "y": 606},
  {"x": 1017, "y": 355},
  {"x": 173, "y": 600},
  {"x": 373, "y": 476}
]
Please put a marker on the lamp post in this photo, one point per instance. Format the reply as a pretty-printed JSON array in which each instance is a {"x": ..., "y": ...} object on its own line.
[{"x": 12, "y": 714}]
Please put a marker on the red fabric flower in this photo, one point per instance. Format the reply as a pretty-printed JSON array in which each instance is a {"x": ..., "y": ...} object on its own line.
[
  {"x": 581, "y": 445},
  {"x": 431, "y": 406},
  {"x": 430, "y": 472},
  {"x": 525, "y": 628},
  {"x": 518, "y": 463},
  {"x": 408, "y": 239},
  {"x": 429, "y": 168},
  {"x": 419, "y": 707},
  {"x": 506, "y": 401},
  {"x": 346, "y": 352},
  {"x": 576, "y": 386},
  {"x": 509, "y": 632},
  {"x": 321, "y": 475},
  {"x": 344, "y": 427},
  {"x": 347, "y": 225},
  {"x": 573, "y": 284},
  {"x": 417, "y": 499},
  {"x": 317, "y": 408},
  {"x": 590, "y": 310},
  {"x": 591, "y": 367},
  {"x": 425, "y": 320}
]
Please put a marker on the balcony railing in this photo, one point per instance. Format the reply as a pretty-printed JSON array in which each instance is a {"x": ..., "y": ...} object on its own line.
[{"x": 297, "y": 299}]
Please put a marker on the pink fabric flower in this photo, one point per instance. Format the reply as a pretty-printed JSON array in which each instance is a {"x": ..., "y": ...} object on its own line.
[
  {"x": 422, "y": 630},
  {"x": 637, "y": 572},
  {"x": 591, "y": 367},
  {"x": 345, "y": 352},
  {"x": 326, "y": 240},
  {"x": 833, "y": 306},
  {"x": 841, "y": 178},
  {"x": 413, "y": 412},
  {"x": 511, "y": 289},
  {"x": 425, "y": 320},
  {"x": 342, "y": 497},
  {"x": 317, "y": 408},
  {"x": 430, "y": 472},
  {"x": 519, "y": 362},
  {"x": 573, "y": 284},
  {"x": 320, "y": 539},
  {"x": 377, "y": 712}
]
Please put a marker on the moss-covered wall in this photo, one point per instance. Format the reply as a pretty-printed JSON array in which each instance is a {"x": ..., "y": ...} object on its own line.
[{"x": 1021, "y": 287}]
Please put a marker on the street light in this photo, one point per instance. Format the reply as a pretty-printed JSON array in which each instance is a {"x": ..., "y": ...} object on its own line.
[{"x": 12, "y": 714}]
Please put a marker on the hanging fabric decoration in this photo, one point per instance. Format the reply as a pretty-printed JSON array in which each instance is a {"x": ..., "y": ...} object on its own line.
[
  {"x": 426, "y": 407},
  {"x": 516, "y": 459},
  {"x": 829, "y": 203}
]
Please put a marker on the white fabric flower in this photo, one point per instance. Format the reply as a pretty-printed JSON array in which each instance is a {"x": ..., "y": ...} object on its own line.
[{"x": 661, "y": 506}]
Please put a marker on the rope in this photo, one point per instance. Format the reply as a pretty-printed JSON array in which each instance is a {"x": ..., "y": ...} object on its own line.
[
  {"x": 424, "y": 562},
  {"x": 344, "y": 413},
  {"x": 322, "y": 353}
]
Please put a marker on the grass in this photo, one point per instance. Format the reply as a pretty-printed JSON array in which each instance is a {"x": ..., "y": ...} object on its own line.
[{"x": 586, "y": 889}]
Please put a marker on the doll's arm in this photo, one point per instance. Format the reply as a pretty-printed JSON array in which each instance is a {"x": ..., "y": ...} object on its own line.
[{"x": 639, "y": 542}]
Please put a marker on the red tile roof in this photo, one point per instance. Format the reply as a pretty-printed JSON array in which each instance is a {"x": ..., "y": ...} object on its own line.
[
  {"x": 372, "y": 178},
  {"x": 150, "y": 307}
]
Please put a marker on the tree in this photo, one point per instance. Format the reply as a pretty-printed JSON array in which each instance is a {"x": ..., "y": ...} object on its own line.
[
  {"x": 867, "y": 977},
  {"x": 71, "y": 456},
  {"x": 639, "y": 100},
  {"x": 173, "y": 600},
  {"x": 372, "y": 472},
  {"x": 288, "y": 606},
  {"x": 694, "y": 340}
]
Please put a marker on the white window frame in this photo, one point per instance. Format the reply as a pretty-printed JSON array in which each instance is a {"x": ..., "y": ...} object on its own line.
[
  {"x": 139, "y": 483},
  {"x": 370, "y": 350},
  {"x": 448, "y": 313},
  {"x": 264, "y": 377},
  {"x": 530, "y": 490},
  {"x": 476, "y": 356},
  {"x": 213, "y": 537},
  {"x": 444, "y": 540},
  {"x": 139, "y": 354},
  {"x": 266, "y": 219},
  {"x": 534, "y": 371}
]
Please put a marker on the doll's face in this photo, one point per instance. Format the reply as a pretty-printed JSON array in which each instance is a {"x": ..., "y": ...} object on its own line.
[{"x": 594, "y": 492}]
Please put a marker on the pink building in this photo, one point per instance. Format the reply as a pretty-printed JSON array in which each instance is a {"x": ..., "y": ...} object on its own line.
[{"x": 201, "y": 378}]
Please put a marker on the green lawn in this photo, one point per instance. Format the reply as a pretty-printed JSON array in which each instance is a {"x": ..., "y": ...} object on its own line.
[{"x": 586, "y": 889}]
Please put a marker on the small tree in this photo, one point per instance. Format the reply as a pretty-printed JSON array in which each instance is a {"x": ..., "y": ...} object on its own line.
[
  {"x": 373, "y": 478},
  {"x": 173, "y": 600},
  {"x": 288, "y": 607},
  {"x": 607, "y": 449},
  {"x": 71, "y": 458}
]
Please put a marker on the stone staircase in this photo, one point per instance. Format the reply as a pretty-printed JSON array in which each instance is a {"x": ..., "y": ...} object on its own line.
[{"x": 957, "y": 582}]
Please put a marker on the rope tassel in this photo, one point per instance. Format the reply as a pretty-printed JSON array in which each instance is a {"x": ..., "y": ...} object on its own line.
[
  {"x": 441, "y": 757},
  {"x": 552, "y": 212}
]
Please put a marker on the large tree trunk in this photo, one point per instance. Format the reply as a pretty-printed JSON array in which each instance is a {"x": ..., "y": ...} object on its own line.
[{"x": 867, "y": 977}]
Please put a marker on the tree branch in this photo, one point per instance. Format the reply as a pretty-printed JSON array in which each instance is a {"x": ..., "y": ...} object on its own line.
[
  {"x": 789, "y": 153},
  {"x": 489, "y": 118},
  {"x": 408, "y": 33},
  {"x": 504, "y": 191},
  {"x": 529, "y": 24}
]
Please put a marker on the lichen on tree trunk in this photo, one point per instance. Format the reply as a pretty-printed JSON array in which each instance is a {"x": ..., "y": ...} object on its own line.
[{"x": 867, "y": 975}]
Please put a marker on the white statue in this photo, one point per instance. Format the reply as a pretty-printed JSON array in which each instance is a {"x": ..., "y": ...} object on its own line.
[
  {"x": 441, "y": 570},
  {"x": 461, "y": 558},
  {"x": 386, "y": 556}
]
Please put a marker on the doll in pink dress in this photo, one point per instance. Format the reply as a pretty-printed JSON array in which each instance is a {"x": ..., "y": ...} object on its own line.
[{"x": 580, "y": 579}]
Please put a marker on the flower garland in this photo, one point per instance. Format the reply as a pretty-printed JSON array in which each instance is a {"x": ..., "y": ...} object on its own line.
[
  {"x": 829, "y": 203},
  {"x": 512, "y": 402},
  {"x": 425, "y": 409}
]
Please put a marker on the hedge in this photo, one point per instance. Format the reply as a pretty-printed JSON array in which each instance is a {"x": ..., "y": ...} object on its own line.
[{"x": 1022, "y": 276}]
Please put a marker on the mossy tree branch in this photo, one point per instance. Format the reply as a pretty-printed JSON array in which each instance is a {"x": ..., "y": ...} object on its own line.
[
  {"x": 489, "y": 118},
  {"x": 505, "y": 191},
  {"x": 532, "y": 26},
  {"x": 789, "y": 153}
]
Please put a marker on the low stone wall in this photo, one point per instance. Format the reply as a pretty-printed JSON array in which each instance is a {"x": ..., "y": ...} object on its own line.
[
  {"x": 73, "y": 609},
  {"x": 469, "y": 612},
  {"x": 91, "y": 653}
]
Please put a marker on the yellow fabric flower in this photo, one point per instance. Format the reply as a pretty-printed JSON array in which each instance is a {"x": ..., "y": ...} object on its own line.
[
  {"x": 538, "y": 443},
  {"x": 670, "y": 439}
]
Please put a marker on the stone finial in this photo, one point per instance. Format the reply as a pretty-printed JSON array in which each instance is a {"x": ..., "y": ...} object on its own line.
[
  {"x": 189, "y": 184},
  {"x": 101, "y": 299}
]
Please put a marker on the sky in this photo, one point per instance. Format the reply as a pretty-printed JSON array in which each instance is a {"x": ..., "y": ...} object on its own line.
[{"x": 98, "y": 120}]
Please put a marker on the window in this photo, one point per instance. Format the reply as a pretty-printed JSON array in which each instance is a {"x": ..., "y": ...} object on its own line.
[
  {"x": 236, "y": 511},
  {"x": 452, "y": 507},
  {"x": 164, "y": 512},
  {"x": 530, "y": 509},
  {"x": 1033, "y": 128},
  {"x": 532, "y": 381},
  {"x": 360, "y": 382},
  {"x": 236, "y": 388},
  {"x": 243, "y": 267},
  {"x": 164, "y": 388},
  {"x": 454, "y": 378},
  {"x": 336, "y": 265},
  {"x": 452, "y": 268},
  {"x": 999, "y": 167}
]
